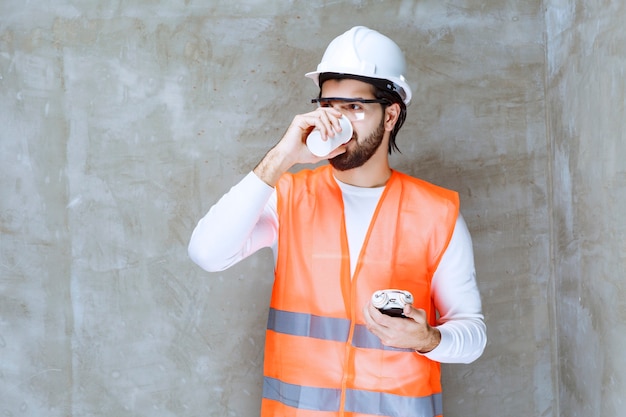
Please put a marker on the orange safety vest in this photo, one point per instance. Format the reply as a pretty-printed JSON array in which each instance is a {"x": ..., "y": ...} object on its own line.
[{"x": 320, "y": 359}]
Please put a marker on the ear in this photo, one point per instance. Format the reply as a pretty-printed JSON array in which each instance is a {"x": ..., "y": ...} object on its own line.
[{"x": 392, "y": 112}]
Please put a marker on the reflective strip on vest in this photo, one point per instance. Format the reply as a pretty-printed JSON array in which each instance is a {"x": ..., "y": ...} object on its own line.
[
  {"x": 326, "y": 328},
  {"x": 357, "y": 401},
  {"x": 384, "y": 404},
  {"x": 300, "y": 324},
  {"x": 307, "y": 398}
]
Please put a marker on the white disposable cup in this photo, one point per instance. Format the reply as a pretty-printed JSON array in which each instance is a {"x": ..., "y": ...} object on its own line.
[{"x": 319, "y": 147}]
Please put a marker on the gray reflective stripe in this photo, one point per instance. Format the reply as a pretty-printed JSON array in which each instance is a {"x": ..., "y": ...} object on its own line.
[
  {"x": 296, "y": 396},
  {"x": 365, "y": 402},
  {"x": 326, "y": 328},
  {"x": 363, "y": 338},
  {"x": 300, "y": 324},
  {"x": 384, "y": 404}
]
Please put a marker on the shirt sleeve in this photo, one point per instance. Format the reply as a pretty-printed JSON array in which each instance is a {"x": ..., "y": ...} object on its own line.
[
  {"x": 243, "y": 221},
  {"x": 456, "y": 297}
]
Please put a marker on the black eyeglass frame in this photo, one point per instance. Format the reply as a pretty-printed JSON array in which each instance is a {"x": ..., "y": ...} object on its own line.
[{"x": 351, "y": 100}]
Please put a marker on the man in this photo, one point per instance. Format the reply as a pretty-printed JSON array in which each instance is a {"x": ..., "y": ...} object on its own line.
[{"x": 341, "y": 232}]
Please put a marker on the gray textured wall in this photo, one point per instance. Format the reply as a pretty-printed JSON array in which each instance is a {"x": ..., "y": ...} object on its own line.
[
  {"x": 121, "y": 123},
  {"x": 587, "y": 97}
]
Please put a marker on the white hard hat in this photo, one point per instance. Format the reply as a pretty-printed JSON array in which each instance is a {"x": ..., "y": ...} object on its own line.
[{"x": 366, "y": 53}]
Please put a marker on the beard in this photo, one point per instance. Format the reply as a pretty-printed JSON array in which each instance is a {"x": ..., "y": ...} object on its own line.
[{"x": 362, "y": 152}]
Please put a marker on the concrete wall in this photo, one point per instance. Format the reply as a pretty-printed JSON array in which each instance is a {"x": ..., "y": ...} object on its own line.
[
  {"x": 586, "y": 98},
  {"x": 121, "y": 123}
]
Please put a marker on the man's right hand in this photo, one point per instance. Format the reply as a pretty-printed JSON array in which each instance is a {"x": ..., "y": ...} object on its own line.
[{"x": 292, "y": 150}]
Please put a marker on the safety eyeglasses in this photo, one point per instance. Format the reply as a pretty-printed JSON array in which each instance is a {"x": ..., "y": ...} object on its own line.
[{"x": 353, "y": 108}]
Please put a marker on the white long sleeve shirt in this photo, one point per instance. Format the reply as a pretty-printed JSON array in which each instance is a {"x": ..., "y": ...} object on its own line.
[{"x": 245, "y": 220}]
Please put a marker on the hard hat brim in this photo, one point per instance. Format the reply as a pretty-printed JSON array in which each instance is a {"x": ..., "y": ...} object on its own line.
[{"x": 393, "y": 84}]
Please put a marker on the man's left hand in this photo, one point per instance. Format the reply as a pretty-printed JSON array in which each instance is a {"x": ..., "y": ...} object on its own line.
[{"x": 412, "y": 332}]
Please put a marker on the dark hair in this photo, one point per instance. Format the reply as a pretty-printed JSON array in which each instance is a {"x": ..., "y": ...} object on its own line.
[{"x": 383, "y": 89}]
